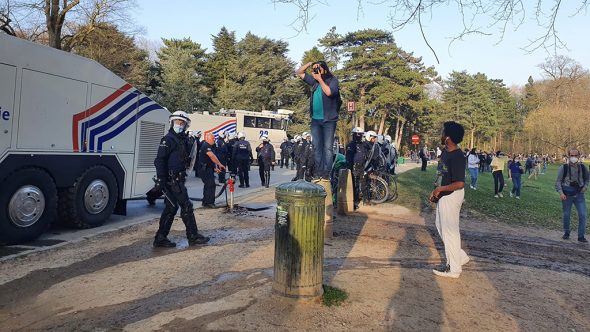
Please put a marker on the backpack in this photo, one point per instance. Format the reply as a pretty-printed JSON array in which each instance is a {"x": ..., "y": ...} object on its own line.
[{"x": 566, "y": 169}]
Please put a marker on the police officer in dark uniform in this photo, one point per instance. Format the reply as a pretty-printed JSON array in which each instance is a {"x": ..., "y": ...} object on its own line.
[
  {"x": 171, "y": 164},
  {"x": 285, "y": 152},
  {"x": 307, "y": 158},
  {"x": 242, "y": 154},
  {"x": 221, "y": 152},
  {"x": 297, "y": 148},
  {"x": 355, "y": 161},
  {"x": 266, "y": 159},
  {"x": 197, "y": 135},
  {"x": 209, "y": 165},
  {"x": 231, "y": 162}
]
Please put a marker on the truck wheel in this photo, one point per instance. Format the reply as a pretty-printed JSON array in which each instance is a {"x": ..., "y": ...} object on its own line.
[
  {"x": 28, "y": 204},
  {"x": 92, "y": 198}
]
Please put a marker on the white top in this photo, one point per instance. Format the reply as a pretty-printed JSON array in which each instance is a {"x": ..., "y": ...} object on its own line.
[{"x": 473, "y": 161}]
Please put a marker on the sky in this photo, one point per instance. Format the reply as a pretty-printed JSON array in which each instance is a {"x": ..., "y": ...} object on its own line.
[{"x": 499, "y": 59}]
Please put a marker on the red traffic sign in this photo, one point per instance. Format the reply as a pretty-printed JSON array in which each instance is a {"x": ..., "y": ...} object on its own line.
[
  {"x": 351, "y": 106},
  {"x": 415, "y": 139}
]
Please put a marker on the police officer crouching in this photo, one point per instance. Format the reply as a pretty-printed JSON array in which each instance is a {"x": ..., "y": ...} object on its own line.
[{"x": 171, "y": 164}]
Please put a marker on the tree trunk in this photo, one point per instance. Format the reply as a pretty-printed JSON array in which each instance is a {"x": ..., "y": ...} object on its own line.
[
  {"x": 55, "y": 18},
  {"x": 400, "y": 132},
  {"x": 513, "y": 142},
  {"x": 382, "y": 124},
  {"x": 362, "y": 122},
  {"x": 471, "y": 141}
]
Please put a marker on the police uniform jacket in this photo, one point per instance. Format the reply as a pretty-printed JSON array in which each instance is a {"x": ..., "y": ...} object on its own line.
[{"x": 173, "y": 154}]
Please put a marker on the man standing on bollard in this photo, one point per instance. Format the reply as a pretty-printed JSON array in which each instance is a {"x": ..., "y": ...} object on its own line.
[
  {"x": 171, "y": 164},
  {"x": 209, "y": 165},
  {"x": 449, "y": 198},
  {"x": 571, "y": 184},
  {"x": 266, "y": 159},
  {"x": 242, "y": 154},
  {"x": 325, "y": 104}
]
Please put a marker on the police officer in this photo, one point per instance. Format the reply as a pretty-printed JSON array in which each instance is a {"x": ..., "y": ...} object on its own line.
[
  {"x": 171, "y": 164},
  {"x": 266, "y": 158},
  {"x": 209, "y": 165},
  {"x": 242, "y": 154},
  {"x": 285, "y": 152},
  {"x": 308, "y": 159},
  {"x": 355, "y": 161},
  {"x": 292, "y": 151},
  {"x": 297, "y": 148},
  {"x": 221, "y": 152},
  {"x": 197, "y": 134},
  {"x": 231, "y": 162},
  {"x": 391, "y": 155}
]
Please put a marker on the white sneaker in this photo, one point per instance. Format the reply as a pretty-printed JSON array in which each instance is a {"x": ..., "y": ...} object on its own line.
[
  {"x": 474, "y": 188},
  {"x": 471, "y": 187},
  {"x": 446, "y": 274},
  {"x": 500, "y": 194},
  {"x": 511, "y": 195},
  {"x": 496, "y": 196},
  {"x": 517, "y": 197},
  {"x": 465, "y": 260}
]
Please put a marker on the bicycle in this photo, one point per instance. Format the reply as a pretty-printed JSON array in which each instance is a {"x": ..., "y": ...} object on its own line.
[{"x": 382, "y": 187}]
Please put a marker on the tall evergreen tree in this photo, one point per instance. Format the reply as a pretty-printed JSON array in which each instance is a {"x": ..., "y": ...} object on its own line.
[{"x": 184, "y": 78}]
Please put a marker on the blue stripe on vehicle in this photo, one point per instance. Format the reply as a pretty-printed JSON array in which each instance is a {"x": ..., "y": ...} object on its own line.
[
  {"x": 98, "y": 130},
  {"x": 107, "y": 113},
  {"x": 228, "y": 127},
  {"x": 126, "y": 124}
]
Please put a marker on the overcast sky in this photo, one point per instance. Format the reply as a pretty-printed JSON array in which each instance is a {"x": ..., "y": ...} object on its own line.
[{"x": 504, "y": 59}]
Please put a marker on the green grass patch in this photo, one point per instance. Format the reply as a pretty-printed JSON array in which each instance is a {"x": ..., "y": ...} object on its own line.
[
  {"x": 539, "y": 204},
  {"x": 333, "y": 296}
]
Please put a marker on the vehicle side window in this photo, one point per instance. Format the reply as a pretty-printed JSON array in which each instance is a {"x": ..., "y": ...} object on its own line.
[
  {"x": 276, "y": 124},
  {"x": 250, "y": 121},
  {"x": 262, "y": 122}
]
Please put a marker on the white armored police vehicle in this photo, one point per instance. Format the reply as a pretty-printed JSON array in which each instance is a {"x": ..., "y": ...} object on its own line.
[{"x": 76, "y": 141}]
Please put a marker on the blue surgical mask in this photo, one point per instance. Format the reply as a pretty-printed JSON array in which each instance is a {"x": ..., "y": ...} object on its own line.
[{"x": 178, "y": 128}]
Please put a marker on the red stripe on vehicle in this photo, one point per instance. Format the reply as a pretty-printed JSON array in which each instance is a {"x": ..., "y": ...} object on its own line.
[{"x": 92, "y": 110}]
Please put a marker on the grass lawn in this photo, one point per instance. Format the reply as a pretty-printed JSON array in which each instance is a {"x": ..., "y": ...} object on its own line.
[{"x": 539, "y": 204}]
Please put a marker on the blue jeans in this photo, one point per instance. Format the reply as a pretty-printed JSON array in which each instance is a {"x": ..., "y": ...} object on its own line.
[
  {"x": 322, "y": 135},
  {"x": 516, "y": 184},
  {"x": 473, "y": 172},
  {"x": 580, "y": 202}
]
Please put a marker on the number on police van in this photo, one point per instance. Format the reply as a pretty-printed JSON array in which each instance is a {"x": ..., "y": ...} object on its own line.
[{"x": 263, "y": 132}]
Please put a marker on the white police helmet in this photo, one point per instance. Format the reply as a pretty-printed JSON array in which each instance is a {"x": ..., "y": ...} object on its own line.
[
  {"x": 304, "y": 135},
  {"x": 380, "y": 139},
  {"x": 180, "y": 115},
  {"x": 221, "y": 134},
  {"x": 387, "y": 138},
  {"x": 370, "y": 134},
  {"x": 241, "y": 134},
  {"x": 231, "y": 136},
  {"x": 357, "y": 130},
  {"x": 264, "y": 138},
  {"x": 298, "y": 137}
]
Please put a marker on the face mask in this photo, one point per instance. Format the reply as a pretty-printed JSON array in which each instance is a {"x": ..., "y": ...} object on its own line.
[
  {"x": 178, "y": 129},
  {"x": 573, "y": 160}
]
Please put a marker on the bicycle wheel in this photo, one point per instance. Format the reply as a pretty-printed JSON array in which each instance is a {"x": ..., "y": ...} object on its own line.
[
  {"x": 392, "y": 189},
  {"x": 378, "y": 190}
]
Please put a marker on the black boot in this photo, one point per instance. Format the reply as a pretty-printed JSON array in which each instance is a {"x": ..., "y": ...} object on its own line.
[
  {"x": 162, "y": 242},
  {"x": 198, "y": 239}
]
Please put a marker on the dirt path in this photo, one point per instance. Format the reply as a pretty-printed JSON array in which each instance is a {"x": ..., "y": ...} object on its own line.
[{"x": 518, "y": 279}]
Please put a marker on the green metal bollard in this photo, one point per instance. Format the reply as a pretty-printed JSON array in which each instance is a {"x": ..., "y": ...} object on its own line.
[{"x": 299, "y": 240}]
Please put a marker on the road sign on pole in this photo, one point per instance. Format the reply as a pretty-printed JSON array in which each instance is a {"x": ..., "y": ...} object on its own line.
[
  {"x": 351, "y": 106},
  {"x": 415, "y": 139}
]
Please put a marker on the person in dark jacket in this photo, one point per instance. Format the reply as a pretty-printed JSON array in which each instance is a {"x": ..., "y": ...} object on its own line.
[
  {"x": 231, "y": 162},
  {"x": 242, "y": 154},
  {"x": 221, "y": 152},
  {"x": 266, "y": 158},
  {"x": 355, "y": 161},
  {"x": 171, "y": 164},
  {"x": 324, "y": 106},
  {"x": 209, "y": 165},
  {"x": 286, "y": 148}
]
